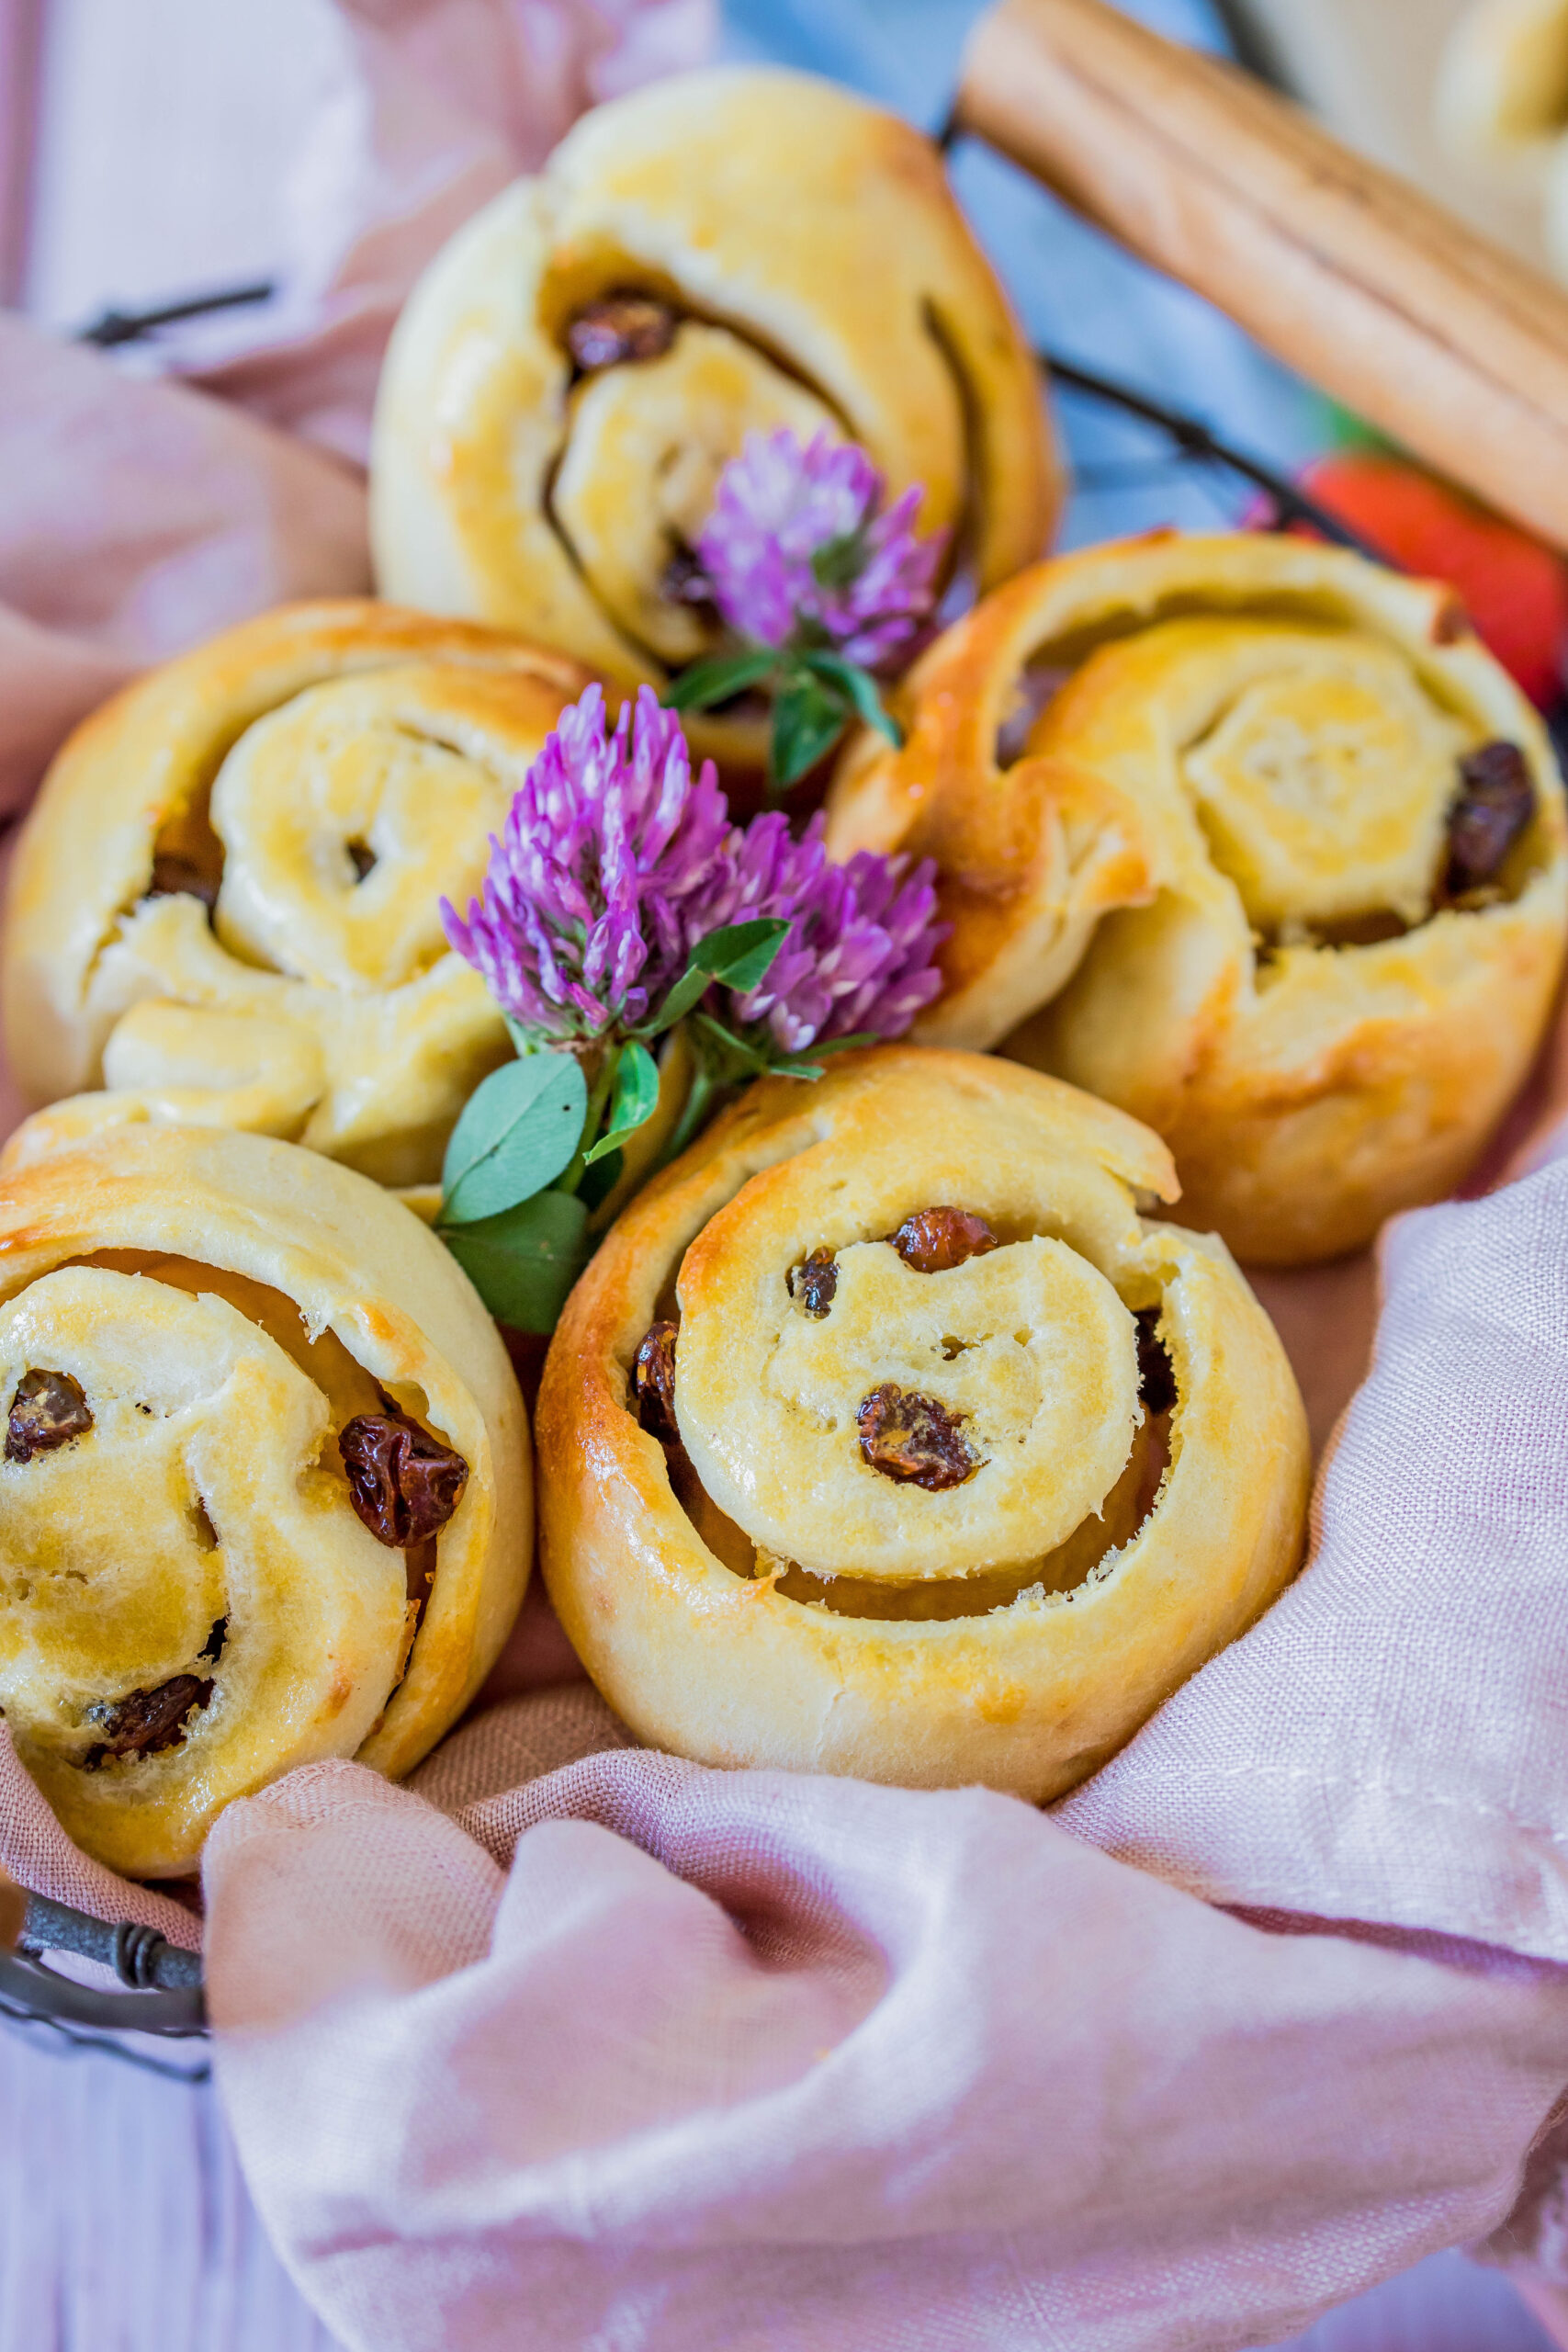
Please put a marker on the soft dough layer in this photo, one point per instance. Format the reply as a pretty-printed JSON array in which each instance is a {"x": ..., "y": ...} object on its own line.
[
  {"x": 225, "y": 907},
  {"x": 1194, "y": 805},
  {"x": 793, "y": 258},
  {"x": 1116, "y": 1446},
  {"x": 190, "y": 1602}
]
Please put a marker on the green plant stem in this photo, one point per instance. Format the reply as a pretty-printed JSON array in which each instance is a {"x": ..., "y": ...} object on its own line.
[
  {"x": 696, "y": 1112},
  {"x": 599, "y": 1089}
]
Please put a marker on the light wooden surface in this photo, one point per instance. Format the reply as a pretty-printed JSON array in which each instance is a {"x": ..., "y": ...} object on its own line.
[{"x": 1348, "y": 274}]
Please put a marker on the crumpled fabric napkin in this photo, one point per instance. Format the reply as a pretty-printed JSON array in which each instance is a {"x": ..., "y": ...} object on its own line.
[
  {"x": 785, "y": 2061},
  {"x": 138, "y": 515},
  {"x": 437, "y": 104},
  {"x": 651, "y": 2056},
  {"x": 662, "y": 2057},
  {"x": 136, "y": 518}
]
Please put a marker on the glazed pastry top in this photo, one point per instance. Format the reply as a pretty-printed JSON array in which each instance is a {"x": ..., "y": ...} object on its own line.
[
  {"x": 226, "y": 902},
  {"x": 723, "y": 252},
  {"x": 265, "y": 1493},
  {"x": 888, "y": 1434},
  {"x": 1021, "y": 1357}
]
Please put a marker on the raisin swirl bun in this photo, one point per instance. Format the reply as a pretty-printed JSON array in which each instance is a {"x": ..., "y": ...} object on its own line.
[
  {"x": 724, "y": 252},
  {"x": 885, "y": 1436},
  {"x": 1257, "y": 841},
  {"x": 225, "y": 901},
  {"x": 265, "y": 1493}
]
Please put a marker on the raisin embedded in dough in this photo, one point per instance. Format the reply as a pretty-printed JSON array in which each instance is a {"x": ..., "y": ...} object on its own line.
[
  {"x": 144, "y": 1722},
  {"x": 814, "y": 1282},
  {"x": 914, "y": 1438},
  {"x": 653, "y": 1380},
  {"x": 618, "y": 327},
  {"x": 404, "y": 1484},
  {"x": 47, "y": 1409},
  {"x": 1495, "y": 803},
  {"x": 932, "y": 1242},
  {"x": 177, "y": 877}
]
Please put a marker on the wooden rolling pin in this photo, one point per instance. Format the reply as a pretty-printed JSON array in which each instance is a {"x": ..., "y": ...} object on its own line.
[{"x": 1421, "y": 326}]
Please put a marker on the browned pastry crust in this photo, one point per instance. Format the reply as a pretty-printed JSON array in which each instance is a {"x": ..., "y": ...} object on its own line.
[
  {"x": 916, "y": 1525},
  {"x": 722, "y": 253},
  {"x": 224, "y": 906},
  {"x": 1279, "y": 864},
  {"x": 201, "y": 1333}
]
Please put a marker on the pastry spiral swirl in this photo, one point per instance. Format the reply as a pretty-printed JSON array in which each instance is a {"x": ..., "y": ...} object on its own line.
[
  {"x": 722, "y": 253},
  {"x": 225, "y": 904},
  {"x": 1254, "y": 840},
  {"x": 265, "y": 1494},
  {"x": 884, "y": 1436}
]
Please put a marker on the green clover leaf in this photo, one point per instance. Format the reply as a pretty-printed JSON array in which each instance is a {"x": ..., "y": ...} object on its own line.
[
  {"x": 810, "y": 716},
  {"x": 519, "y": 1129},
  {"x": 634, "y": 1101},
  {"x": 738, "y": 955},
  {"x": 523, "y": 1263},
  {"x": 719, "y": 677},
  {"x": 858, "y": 688}
]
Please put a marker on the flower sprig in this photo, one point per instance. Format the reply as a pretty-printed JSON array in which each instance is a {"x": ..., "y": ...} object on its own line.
[
  {"x": 622, "y": 912},
  {"x": 819, "y": 586}
]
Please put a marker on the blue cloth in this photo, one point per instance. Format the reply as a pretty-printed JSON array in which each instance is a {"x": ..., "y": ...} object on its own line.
[{"x": 1078, "y": 292}]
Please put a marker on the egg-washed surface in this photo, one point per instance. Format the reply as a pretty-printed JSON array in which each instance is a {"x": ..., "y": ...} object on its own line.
[
  {"x": 226, "y": 905},
  {"x": 250, "y": 1511},
  {"x": 1025, "y": 1353},
  {"x": 884, "y": 1435},
  {"x": 726, "y": 253},
  {"x": 1253, "y": 839}
]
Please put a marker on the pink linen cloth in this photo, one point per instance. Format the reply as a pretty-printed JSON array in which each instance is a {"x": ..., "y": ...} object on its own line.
[
  {"x": 633, "y": 2054},
  {"x": 136, "y": 518},
  {"x": 672, "y": 2058},
  {"x": 139, "y": 516},
  {"x": 437, "y": 106}
]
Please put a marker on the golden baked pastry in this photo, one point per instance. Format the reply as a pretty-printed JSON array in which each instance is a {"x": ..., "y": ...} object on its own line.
[
  {"x": 885, "y": 1436},
  {"x": 1500, "y": 105},
  {"x": 1309, "y": 832},
  {"x": 265, "y": 1493},
  {"x": 225, "y": 901},
  {"x": 721, "y": 253}
]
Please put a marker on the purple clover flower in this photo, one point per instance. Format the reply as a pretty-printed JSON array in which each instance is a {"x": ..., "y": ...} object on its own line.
[
  {"x": 614, "y": 864},
  {"x": 796, "y": 552},
  {"x": 858, "y": 957},
  {"x": 607, "y": 874}
]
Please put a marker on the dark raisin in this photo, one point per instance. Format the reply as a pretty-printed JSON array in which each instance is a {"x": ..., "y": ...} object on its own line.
[
  {"x": 914, "y": 1438},
  {"x": 653, "y": 1381},
  {"x": 1156, "y": 1379},
  {"x": 619, "y": 326},
  {"x": 1492, "y": 808},
  {"x": 145, "y": 1721},
  {"x": 47, "y": 1409},
  {"x": 1451, "y": 623},
  {"x": 176, "y": 877},
  {"x": 403, "y": 1483},
  {"x": 364, "y": 858},
  {"x": 814, "y": 1283},
  {"x": 936, "y": 1240},
  {"x": 683, "y": 581}
]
